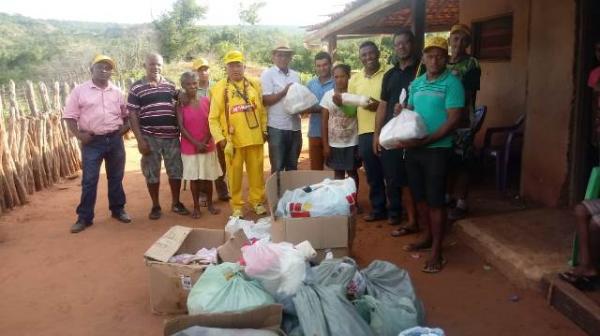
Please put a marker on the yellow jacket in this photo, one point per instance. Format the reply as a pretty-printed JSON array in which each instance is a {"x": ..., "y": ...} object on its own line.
[{"x": 241, "y": 116}]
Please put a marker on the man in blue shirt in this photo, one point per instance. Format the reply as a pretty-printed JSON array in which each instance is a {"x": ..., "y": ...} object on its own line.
[
  {"x": 439, "y": 98},
  {"x": 318, "y": 85}
]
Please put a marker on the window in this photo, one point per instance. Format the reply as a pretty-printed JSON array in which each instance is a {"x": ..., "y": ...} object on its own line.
[{"x": 492, "y": 38}]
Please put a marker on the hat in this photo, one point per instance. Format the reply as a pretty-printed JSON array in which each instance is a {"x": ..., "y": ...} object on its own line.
[
  {"x": 435, "y": 41},
  {"x": 283, "y": 48},
  {"x": 199, "y": 62},
  {"x": 233, "y": 56},
  {"x": 103, "y": 58},
  {"x": 461, "y": 28}
]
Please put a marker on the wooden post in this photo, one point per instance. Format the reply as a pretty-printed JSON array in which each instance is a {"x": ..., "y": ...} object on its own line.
[
  {"x": 332, "y": 45},
  {"x": 30, "y": 95},
  {"x": 12, "y": 99},
  {"x": 418, "y": 9},
  {"x": 56, "y": 102},
  {"x": 47, "y": 107}
]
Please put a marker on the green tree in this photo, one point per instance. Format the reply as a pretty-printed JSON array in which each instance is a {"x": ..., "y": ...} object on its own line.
[
  {"x": 249, "y": 14},
  {"x": 179, "y": 34}
]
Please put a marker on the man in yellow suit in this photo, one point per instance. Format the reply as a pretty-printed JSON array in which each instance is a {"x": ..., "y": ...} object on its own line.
[{"x": 238, "y": 124}]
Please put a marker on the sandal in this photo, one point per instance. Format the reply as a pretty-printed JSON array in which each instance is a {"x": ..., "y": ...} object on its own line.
[
  {"x": 404, "y": 231},
  {"x": 418, "y": 247},
  {"x": 179, "y": 208},
  {"x": 155, "y": 213},
  {"x": 579, "y": 281},
  {"x": 434, "y": 267}
]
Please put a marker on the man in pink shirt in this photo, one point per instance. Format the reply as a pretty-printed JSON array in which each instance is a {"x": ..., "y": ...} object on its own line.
[{"x": 95, "y": 113}]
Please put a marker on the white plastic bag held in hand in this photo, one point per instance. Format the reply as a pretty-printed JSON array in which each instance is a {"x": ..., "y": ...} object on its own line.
[
  {"x": 408, "y": 125},
  {"x": 298, "y": 99},
  {"x": 354, "y": 99}
]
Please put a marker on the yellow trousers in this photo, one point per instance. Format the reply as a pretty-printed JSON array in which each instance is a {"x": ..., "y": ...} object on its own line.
[{"x": 253, "y": 157}]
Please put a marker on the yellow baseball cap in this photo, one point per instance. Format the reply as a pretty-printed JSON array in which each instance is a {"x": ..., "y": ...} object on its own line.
[
  {"x": 233, "y": 56},
  {"x": 460, "y": 28},
  {"x": 437, "y": 42},
  {"x": 103, "y": 58},
  {"x": 200, "y": 62}
]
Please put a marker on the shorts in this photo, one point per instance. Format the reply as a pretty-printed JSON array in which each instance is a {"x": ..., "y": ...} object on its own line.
[
  {"x": 162, "y": 149},
  {"x": 394, "y": 168},
  {"x": 593, "y": 206},
  {"x": 343, "y": 158},
  {"x": 201, "y": 166},
  {"x": 427, "y": 170}
]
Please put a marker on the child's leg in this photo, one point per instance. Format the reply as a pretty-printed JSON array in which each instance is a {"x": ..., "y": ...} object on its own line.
[
  {"x": 195, "y": 188},
  {"x": 207, "y": 187}
]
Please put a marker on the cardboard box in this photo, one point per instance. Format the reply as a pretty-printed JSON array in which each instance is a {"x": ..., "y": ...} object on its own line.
[
  {"x": 170, "y": 283},
  {"x": 331, "y": 232},
  {"x": 266, "y": 317}
]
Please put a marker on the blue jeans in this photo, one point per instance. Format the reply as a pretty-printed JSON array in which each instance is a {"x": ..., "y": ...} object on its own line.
[
  {"x": 375, "y": 176},
  {"x": 284, "y": 149},
  {"x": 109, "y": 148}
]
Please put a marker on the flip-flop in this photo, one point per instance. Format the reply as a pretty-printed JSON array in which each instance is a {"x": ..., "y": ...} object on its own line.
[
  {"x": 404, "y": 231},
  {"x": 414, "y": 247},
  {"x": 434, "y": 267}
]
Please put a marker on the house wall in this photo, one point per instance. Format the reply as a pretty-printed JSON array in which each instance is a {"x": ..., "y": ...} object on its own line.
[
  {"x": 538, "y": 80},
  {"x": 503, "y": 83},
  {"x": 544, "y": 173}
]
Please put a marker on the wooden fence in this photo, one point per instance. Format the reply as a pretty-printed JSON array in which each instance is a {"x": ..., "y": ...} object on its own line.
[{"x": 36, "y": 149}]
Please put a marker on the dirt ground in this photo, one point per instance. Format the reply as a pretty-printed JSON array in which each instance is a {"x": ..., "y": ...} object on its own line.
[{"x": 95, "y": 283}]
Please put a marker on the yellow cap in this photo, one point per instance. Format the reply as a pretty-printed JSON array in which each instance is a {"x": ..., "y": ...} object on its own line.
[
  {"x": 233, "y": 56},
  {"x": 104, "y": 58},
  {"x": 200, "y": 62},
  {"x": 437, "y": 42},
  {"x": 460, "y": 28}
]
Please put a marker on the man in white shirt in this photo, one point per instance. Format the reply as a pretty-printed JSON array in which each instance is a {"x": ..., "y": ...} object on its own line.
[{"x": 285, "y": 137}]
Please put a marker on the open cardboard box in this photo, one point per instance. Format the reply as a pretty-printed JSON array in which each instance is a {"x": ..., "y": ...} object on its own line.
[
  {"x": 170, "y": 283},
  {"x": 266, "y": 317},
  {"x": 331, "y": 232}
]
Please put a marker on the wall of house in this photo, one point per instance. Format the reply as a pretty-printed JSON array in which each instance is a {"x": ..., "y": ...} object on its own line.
[
  {"x": 503, "y": 83},
  {"x": 544, "y": 173}
]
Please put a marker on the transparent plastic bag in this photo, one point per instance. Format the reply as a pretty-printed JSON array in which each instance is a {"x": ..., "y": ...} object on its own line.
[
  {"x": 279, "y": 267},
  {"x": 408, "y": 125},
  {"x": 298, "y": 99},
  {"x": 327, "y": 198}
]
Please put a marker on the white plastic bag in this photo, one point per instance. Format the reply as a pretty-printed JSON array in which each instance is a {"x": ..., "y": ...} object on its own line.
[
  {"x": 298, "y": 99},
  {"x": 279, "y": 267},
  {"x": 253, "y": 231},
  {"x": 408, "y": 125},
  {"x": 327, "y": 198},
  {"x": 354, "y": 99}
]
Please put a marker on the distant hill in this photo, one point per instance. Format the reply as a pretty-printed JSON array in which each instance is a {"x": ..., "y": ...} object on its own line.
[{"x": 51, "y": 49}]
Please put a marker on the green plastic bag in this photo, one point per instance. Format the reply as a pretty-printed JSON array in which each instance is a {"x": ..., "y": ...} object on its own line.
[
  {"x": 387, "y": 319},
  {"x": 223, "y": 288},
  {"x": 349, "y": 110}
]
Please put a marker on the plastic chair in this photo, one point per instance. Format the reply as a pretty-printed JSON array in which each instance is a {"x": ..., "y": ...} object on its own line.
[{"x": 503, "y": 153}]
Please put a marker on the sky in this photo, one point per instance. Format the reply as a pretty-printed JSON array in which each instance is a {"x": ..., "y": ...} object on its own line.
[{"x": 220, "y": 12}]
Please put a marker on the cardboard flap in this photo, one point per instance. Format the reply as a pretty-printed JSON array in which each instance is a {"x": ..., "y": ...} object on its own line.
[
  {"x": 231, "y": 251},
  {"x": 263, "y": 317},
  {"x": 321, "y": 232},
  {"x": 167, "y": 245}
]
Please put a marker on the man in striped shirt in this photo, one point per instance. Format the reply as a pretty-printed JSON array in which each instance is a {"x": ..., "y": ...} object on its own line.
[{"x": 151, "y": 104}]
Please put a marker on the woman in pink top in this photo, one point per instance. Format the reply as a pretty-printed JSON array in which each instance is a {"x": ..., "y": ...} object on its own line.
[{"x": 200, "y": 162}]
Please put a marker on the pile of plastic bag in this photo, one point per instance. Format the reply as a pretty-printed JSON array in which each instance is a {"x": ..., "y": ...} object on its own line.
[
  {"x": 408, "y": 125},
  {"x": 298, "y": 99},
  {"x": 327, "y": 198},
  {"x": 334, "y": 297}
]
